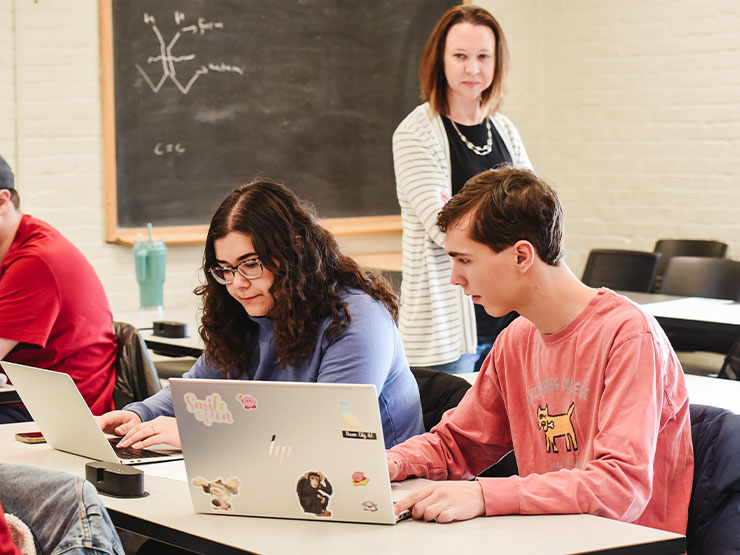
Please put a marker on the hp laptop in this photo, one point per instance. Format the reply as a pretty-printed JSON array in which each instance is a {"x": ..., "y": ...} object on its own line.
[
  {"x": 283, "y": 449},
  {"x": 66, "y": 422}
]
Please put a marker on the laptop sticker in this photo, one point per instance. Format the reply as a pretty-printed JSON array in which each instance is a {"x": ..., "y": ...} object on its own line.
[
  {"x": 209, "y": 410},
  {"x": 248, "y": 402},
  {"x": 314, "y": 493},
  {"x": 359, "y": 479},
  {"x": 349, "y": 420},
  {"x": 370, "y": 506},
  {"x": 221, "y": 492}
]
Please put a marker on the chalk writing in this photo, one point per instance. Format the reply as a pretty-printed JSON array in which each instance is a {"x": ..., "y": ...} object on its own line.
[
  {"x": 161, "y": 149},
  {"x": 168, "y": 60}
]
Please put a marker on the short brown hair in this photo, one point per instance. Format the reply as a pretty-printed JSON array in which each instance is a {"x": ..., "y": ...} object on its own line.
[
  {"x": 431, "y": 68},
  {"x": 507, "y": 205},
  {"x": 15, "y": 198}
]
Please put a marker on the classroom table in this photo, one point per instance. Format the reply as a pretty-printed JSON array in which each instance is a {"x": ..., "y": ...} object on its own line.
[
  {"x": 166, "y": 514},
  {"x": 710, "y": 324},
  {"x": 143, "y": 319},
  {"x": 702, "y": 323}
]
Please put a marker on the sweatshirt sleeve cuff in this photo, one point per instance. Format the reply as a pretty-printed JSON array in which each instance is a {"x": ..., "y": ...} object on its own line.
[
  {"x": 500, "y": 495},
  {"x": 141, "y": 410},
  {"x": 400, "y": 460}
]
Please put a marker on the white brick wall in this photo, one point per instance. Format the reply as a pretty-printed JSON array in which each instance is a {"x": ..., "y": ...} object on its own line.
[
  {"x": 640, "y": 130},
  {"x": 631, "y": 108}
]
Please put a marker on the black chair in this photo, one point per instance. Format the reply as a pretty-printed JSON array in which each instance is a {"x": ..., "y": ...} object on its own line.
[
  {"x": 714, "y": 509},
  {"x": 731, "y": 366},
  {"x": 668, "y": 248},
  {"x": 621, "y": 269},
  {"x": 439, "y": 392},
  {"x": 699, "y": 276},
  {"x": 136, "y": 375}
]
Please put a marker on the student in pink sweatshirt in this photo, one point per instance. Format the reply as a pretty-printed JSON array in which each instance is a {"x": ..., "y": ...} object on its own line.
[{"x": 585, "y": 387}]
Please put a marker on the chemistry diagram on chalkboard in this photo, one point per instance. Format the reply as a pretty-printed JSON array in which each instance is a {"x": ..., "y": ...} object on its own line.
[{"x": 169, "y": 61}]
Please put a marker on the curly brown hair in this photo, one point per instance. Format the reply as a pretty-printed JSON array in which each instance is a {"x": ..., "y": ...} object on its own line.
[{"x": 309, "y": 269}]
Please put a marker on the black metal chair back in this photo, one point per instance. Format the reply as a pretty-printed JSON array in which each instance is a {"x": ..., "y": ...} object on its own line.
[
  {"x": 668, "y": 248},
  {"x": 621, "y": 269},
  {"x": 699, "y": 276}
]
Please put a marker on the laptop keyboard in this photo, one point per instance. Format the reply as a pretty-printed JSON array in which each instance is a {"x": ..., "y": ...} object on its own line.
[{"x": 130, "y": 452}]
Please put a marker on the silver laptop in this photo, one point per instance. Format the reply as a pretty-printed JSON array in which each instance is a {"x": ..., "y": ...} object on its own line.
[
  {"x": 65, "y": 420},
  {"x": 283, "y": 449}
]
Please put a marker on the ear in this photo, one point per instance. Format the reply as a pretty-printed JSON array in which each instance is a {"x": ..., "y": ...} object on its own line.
[
  {"x": 525, "y": 255},
  {"x": 5, "y": 201}
]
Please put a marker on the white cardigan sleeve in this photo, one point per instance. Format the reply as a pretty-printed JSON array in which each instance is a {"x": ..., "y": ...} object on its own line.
[{"x": 422, "y": 170}]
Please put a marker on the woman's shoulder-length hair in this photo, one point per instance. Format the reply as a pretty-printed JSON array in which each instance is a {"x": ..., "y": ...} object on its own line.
[{"x": 431, "y": 68}]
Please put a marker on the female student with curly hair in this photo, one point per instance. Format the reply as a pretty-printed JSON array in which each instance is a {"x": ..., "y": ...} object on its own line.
[
  {"x": 282, "y": 303},
  {"x": 455, "y": 134}
]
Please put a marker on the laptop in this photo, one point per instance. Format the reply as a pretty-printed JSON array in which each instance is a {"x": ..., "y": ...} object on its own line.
[
  {"x": 66, "y": 422},
  {"x": 310, "y": 451}
]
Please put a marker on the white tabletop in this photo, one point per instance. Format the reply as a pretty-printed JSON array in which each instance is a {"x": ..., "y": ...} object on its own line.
[
  {"x": 168, "y": 505},
  {"x": 700, "y": 309}
]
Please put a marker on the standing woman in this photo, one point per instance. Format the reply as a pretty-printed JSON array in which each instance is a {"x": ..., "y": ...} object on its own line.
[
  {"x": 456, "y": 134},
  {"x": 282, "y": 303}
]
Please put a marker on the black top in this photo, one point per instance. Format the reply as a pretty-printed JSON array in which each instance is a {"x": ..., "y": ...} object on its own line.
[{"x": 464, "y": 164}]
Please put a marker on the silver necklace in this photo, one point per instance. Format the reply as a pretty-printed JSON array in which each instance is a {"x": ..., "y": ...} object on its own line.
[{"x": 479, "y": 150}]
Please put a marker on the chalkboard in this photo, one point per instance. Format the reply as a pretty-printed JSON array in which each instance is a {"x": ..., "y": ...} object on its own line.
[{"x": 208, "y": 93}]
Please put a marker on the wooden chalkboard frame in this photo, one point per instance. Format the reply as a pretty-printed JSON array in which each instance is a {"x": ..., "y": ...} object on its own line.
[{"x": 190, "y": 234}]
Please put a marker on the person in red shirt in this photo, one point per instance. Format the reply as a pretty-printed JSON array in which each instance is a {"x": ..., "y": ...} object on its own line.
[
  {"x": 54, "y": 313},
  {"x": 584, "y": 386}
]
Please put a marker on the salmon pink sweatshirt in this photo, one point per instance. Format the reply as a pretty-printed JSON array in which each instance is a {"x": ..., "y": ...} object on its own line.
[{"x": 597, "y": 415}]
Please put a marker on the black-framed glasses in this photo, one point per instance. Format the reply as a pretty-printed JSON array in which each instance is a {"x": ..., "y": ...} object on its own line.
[{"x": 250, "y": 269}]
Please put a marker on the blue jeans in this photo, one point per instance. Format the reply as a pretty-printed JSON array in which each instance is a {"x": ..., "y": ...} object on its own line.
[
  {"x": 63, "y": 511},
  {"x": 482, "y": 352},
  {"x": 464, "y": 364},
  {"x": 470, "y": 362}
]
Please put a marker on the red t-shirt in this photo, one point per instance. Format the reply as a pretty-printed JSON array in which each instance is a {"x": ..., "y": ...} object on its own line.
[
  {"x": 53, "y": 304},
  {"x": 7, "y": 547}
]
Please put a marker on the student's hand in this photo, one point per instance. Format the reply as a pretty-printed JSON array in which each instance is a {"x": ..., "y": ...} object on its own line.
[
  {"x": 393, "y": 469},
  {"x": 118, "y": 421},
  {"x": 162, "y": 429},
  {"x": 444, "y": 501},
  {"x": 445, "y": 197}
]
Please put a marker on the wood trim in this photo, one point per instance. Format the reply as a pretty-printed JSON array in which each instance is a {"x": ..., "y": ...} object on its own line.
[
  {"x": 196, "y": 234},
  {"x": 107, "y": 90}
]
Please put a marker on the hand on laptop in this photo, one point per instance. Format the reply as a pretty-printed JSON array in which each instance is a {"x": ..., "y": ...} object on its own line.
[
  {"x": 118, "y": 422},
  {"x": 444, "y": 501},
  {"x": 138, "y": 434},
  {"x": 162, "y": 429}
]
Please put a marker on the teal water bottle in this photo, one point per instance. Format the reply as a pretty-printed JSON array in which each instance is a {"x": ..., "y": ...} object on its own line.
[{"x": 150, "y": 258}]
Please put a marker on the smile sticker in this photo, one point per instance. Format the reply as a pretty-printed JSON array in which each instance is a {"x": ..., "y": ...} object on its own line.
[{"x": 209, "y": 410}]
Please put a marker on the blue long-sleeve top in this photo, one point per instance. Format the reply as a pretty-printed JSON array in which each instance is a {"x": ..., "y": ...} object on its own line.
[{"x": 367, "y": 351}]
